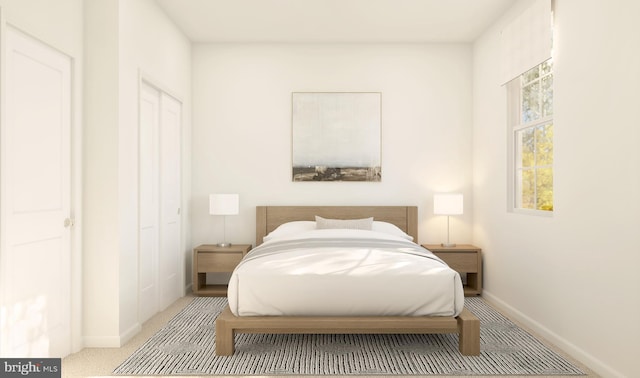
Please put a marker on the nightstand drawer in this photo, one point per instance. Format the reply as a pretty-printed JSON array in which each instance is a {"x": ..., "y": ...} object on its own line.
[
  {"x": 459, "y": 261},
  {"x": 465, "y": 259},
  {"x": 209, "y": 258},
  {"x": 218, "y": 262}
]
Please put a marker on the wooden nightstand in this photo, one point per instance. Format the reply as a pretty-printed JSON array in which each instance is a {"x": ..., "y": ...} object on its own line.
[
  {"x": 463, "y": 258},
  {"x": 209, "y": 258}
]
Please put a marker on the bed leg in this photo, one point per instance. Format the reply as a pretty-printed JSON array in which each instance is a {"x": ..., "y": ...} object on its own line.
[
  {"x": 224, "y": 337},
  {"x": 469, "y": 333}
]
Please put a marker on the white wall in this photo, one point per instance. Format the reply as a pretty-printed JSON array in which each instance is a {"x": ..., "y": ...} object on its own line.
[
  {"x": 573, "y": 276},
  {"x": 60, "y": 25},
  {"x": 100, "y": 179},
  {"x": 242, "y": 128},
  {"x": 125, "y": 40}
]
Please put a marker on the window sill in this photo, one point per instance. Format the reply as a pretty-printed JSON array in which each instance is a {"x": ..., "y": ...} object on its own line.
[{"x": 537, "y": 213}]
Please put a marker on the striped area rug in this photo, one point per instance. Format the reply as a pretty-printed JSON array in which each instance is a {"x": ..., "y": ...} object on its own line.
[{"x": 186, "y": 346}]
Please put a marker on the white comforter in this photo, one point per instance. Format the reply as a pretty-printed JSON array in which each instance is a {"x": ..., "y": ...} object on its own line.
[{"x": 344, "y": 273}]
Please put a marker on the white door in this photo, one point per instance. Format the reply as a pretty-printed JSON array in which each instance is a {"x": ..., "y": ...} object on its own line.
[
  {"x": 36, "y": 176},
  {"x": 148, "y": 202},
  {"x": 160, "y": 263},
  {"x": 170, "y": 277}
]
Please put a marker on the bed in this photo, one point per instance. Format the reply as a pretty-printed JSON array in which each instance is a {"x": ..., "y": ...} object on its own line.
[{"x": 245, "y": 319}]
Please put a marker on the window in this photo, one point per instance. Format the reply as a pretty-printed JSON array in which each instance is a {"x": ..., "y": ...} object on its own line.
[{"x": 531, "y": 139}]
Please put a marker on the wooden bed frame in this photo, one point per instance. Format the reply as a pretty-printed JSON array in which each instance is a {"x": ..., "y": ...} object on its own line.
[{"x": 466, "y": 325}]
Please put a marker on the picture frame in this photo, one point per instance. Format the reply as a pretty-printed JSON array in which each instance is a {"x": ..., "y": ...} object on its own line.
[{"x": 336, "y": 136}]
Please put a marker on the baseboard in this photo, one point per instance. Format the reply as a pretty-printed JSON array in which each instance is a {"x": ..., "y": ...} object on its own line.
[
  {"x": 112, "y": 341},
  {"x": 571, "y": 349},
  {"x": 130, "y": 333}
]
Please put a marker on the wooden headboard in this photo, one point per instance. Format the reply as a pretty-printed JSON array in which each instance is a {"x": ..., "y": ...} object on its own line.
[{"x": 270, "y": 217}]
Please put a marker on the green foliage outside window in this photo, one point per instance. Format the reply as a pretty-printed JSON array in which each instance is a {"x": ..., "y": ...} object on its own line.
[{"x": 534, "y": 140}]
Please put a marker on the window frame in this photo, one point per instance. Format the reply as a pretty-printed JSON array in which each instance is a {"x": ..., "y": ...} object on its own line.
[{"x": 515, "y": 125}]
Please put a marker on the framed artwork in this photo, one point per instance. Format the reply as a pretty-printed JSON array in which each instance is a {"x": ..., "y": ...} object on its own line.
[{"x": 336, "y": 136}]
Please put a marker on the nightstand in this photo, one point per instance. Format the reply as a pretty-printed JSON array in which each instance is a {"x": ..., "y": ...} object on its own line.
[
  {"x": 463, "y": 258},
  {"x": 209, "y": 258}
]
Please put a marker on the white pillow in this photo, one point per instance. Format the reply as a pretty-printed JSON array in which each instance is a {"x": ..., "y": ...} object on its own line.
[
  {"x": 390, "y": 228},
  {"x": 352, "y": 224},
  {"x": 295, "y": 227},
  {"x": 290, "y": 228}
]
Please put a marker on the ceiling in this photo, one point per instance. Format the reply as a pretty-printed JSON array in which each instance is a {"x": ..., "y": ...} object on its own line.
[{"x": 334, "y": 21}]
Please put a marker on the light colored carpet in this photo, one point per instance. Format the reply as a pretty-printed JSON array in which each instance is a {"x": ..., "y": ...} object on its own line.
[{"x": 186, "y": 345}]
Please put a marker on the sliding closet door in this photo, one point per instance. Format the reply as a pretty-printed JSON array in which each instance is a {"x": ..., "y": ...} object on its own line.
[
  {"x": 160, "y": 278},
  {"x": 36, "y": 193}
]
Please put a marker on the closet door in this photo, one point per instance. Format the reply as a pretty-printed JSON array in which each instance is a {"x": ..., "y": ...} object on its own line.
[
  {"x": 35, "y": 254},
  {"x": 170, "y": 277},
  {"x": 160, "y": 269},
  {"x": 149, "y": 227}
]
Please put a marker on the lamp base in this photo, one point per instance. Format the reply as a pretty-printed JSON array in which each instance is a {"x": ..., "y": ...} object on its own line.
[
  {"x": 224, "y": 245},
  {"x": 449, "y": 245}
]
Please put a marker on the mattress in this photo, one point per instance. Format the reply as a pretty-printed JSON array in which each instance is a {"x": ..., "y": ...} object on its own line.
[{"x": 339, "y": 272}]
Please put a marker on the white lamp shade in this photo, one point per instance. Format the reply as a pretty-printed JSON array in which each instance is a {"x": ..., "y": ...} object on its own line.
[
  {"x": 224, "y": 204},
  {"x": 447, "y": 204}
]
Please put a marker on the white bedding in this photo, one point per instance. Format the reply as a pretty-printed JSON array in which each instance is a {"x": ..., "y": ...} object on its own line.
[{"x": 337, "y": 272}]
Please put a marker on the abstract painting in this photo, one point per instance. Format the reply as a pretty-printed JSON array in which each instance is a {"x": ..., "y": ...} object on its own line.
[{"x": 336, "y": 136}]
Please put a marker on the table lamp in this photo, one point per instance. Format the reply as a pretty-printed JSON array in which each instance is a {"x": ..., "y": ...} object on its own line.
[
  {"x": 224, "y": 204},
  {"x": 447, "y": 204}
]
